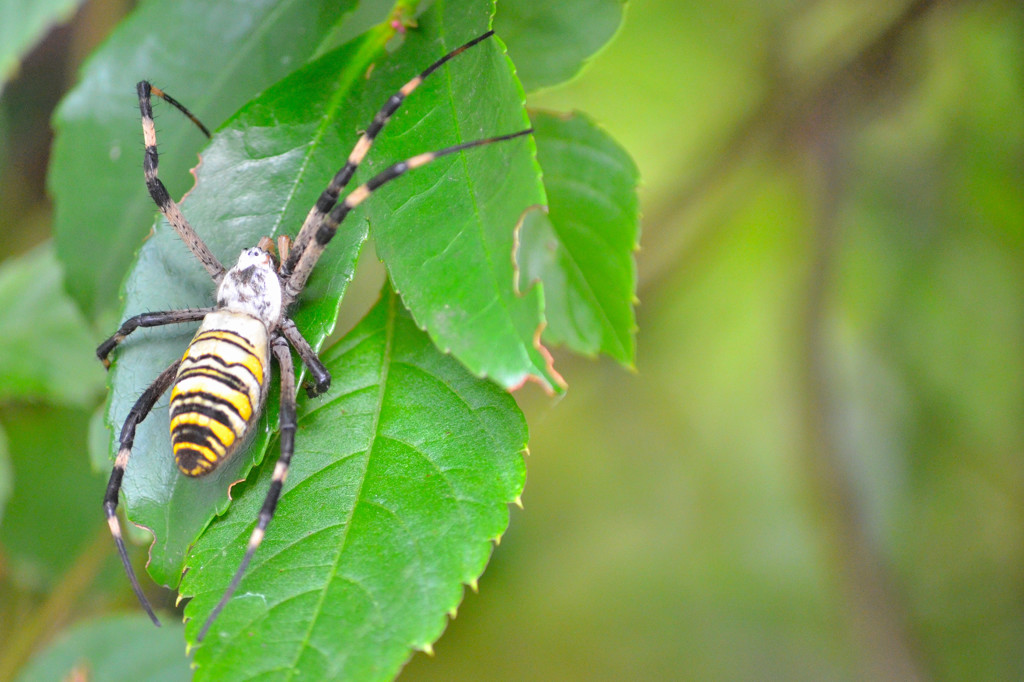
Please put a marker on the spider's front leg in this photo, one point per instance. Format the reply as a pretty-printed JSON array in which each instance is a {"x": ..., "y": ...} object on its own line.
[
  {"x": 311, "y": 239},
  {"x": 156, "y": 188},
  {"x": 147, "y": 320}
]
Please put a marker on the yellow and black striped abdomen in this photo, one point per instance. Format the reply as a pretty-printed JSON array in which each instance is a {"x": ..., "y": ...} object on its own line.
[{"x": 219, "y": 390}]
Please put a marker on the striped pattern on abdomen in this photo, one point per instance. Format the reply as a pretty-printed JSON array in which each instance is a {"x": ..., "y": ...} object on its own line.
[{"x": 219, "y": 389}]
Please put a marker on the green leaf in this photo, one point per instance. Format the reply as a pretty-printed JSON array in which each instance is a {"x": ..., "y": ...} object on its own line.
[
  {"x": 582, "y": 250},
  {"x": 22, "y": 25},
  {"x": 447, "y": 234},
  {"x": 214, "y": 56},
  {"x": 260, "y": 176},
  {"x": 47, "y": 351},
  {"x": 384, "y": 516},
  {"x": 115, "y": 648},
  {"x": 550, "y": 42}
]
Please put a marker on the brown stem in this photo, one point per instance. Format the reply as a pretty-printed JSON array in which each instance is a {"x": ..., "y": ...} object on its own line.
[{"x": 875, "y": 612}]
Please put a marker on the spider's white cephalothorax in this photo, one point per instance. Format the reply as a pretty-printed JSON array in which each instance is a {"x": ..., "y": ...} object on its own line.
[{"x": 253, "y": 287}]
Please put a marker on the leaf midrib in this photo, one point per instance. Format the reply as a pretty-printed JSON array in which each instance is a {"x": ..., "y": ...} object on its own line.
[
  {"x": 364, "y": 56},
  {"x": 389, "y": 334},
  {"x": 589, "y": 292}
]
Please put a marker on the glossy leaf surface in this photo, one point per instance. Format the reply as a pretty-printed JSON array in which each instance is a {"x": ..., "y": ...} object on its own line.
[
  {"x": 401, "y": 481},
  {"x": 214, "y": 65}
]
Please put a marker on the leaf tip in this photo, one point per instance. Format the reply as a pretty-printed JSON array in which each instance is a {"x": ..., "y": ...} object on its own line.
[
  {"x": 518, "y": 501},
  {"x": 426, "y": 648},
  {"x": 474, "y": 585}
]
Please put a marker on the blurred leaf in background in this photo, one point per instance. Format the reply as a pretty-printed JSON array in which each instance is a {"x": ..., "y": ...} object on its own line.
[
  {"x": 22, "y": 25},
  {"x": 111, "y": 649},
  {"x": 52, "y": 512},
  {"x": 49, "y": 354}
]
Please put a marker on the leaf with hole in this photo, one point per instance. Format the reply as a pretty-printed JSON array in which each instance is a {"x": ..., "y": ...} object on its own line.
[{"x": 582, "y": 249}]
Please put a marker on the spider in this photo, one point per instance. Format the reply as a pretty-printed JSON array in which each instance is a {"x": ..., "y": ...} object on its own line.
[{"x": 219, "y": 386}]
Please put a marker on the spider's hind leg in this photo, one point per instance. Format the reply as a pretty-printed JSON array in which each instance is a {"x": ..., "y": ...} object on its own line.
[
  {"x": 286, "y": 426},
  {"x": 139, "y": 411}
]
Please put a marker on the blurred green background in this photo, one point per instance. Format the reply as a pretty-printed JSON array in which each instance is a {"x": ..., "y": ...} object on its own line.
[{"x": 817, "y": 469}]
